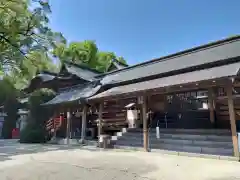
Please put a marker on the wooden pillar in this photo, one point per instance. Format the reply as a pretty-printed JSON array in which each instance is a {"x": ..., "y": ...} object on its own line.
[
  {"x": 84, "y": 122},
  {"x": 54, "y": 124},
  {"x": 142, "y": 101},
  {"x": 68, "y": 125},
  {"x": 211, "y": 105},
  {"x": 232, "y": 120},
  {"x": 100, "y": 110}
]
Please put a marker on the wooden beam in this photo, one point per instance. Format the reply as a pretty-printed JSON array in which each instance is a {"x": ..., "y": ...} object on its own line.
[
  {"x": 203, "y": 85},
  {"x": 68, "y": 125},
  {"x": 100, "y": 110},
  {"x": 232, "y": 120},
  {"x": 222, "y": 98},
  {"x": 84, "y": 122},
  {"x": 145, "y": 123},
  {"x": 211, "y": 105}
]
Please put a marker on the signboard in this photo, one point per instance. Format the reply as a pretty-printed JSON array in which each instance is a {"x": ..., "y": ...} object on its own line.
[{"x": 140, "y": 100}]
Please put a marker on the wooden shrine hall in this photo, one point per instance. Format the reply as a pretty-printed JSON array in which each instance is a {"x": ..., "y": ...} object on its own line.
[{"x": 192, "y": 97}]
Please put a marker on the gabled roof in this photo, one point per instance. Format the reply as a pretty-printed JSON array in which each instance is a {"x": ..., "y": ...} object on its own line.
[
  {"x": 119, "y": 65},
  {"x": 82, "y": 71},
  {"x": 42, "y": 78},
  {"x": 75, "y": 93},
  {"x": 116, "y": 65},
  {"x": 45, "y": 76},
  {"x": 211, "y": 53},
  {"x": 67, "y": 72}
]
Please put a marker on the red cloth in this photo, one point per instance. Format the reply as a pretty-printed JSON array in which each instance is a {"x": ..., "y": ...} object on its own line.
[{"x": 15, "y": 133}]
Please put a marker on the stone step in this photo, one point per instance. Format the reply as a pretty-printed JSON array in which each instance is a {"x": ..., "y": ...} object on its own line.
[
  {"x": 184, "y": 148},
  {"x": 183, "y": 136},
  {"x": 179, "y": 141},
  {"x": 187, "y": 131}
]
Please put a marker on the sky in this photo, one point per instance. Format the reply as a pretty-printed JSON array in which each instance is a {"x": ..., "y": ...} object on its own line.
[{"x": 140, "y": 30}]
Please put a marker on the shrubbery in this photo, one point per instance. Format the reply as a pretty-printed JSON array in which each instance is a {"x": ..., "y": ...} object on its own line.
[
  {"x": 33, "y": 135},
  {"x": 35, "y": 131}
]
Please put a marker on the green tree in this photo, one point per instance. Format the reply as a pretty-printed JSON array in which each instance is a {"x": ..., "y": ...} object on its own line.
[
  {"x": 24, "y": 30},
  {"x": 8, "y": 99},
  {"x": 35, "y": 131},
  {"x": 86, "y": 52},
  {"x": 28, "y": 70}
]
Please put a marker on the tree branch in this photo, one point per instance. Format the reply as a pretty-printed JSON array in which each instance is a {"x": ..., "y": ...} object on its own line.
[{"x": 18, "y": 49}]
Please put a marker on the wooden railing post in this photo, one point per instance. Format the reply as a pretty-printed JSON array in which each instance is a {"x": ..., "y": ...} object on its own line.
[
  {"x": 232, "y": 120},
  {"x": 68, "y": 125},
  {"x": 100, "y": 110},
  {"x": 55, "y": 115},
  {"x": 84, "y": 122}
]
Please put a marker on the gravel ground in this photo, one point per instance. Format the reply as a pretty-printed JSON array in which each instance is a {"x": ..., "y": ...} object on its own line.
[{"x": 39, "y": 162}]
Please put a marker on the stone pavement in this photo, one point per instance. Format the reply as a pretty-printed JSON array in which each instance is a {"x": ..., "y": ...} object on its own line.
[{"x": 65, "y": 163}]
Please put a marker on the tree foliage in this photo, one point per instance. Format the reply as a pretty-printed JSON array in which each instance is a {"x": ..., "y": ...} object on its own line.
[
  {"x": 86, "y": 52},
  {"x": 35, "y": 131},
  {"x": 27, "y": 43},
  {"x": 25, "y": 38},
  {"x": 8, "y": 98},
  {"x": 7, "y": 89},
  {"x": 28, "y": 70}
]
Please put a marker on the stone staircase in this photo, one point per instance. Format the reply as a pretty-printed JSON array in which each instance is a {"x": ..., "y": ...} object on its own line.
[{"x": 204, "y": 141}]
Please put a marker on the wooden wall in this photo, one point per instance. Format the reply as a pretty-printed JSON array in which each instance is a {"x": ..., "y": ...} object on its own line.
[
  {"x": 184, "y": 110},
  {"x": 114, "y": 113},
  {"x": 222, "y": 111}
]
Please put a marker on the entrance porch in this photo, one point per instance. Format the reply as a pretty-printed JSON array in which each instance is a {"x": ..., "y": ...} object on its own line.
[{"x": 187, "y": 123}]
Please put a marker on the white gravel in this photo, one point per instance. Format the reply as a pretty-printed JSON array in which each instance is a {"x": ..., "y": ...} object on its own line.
[{"x": 77, "y": 164}]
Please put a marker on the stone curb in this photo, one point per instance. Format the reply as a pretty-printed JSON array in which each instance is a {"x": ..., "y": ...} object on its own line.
[{"x": 178, "y": 153}]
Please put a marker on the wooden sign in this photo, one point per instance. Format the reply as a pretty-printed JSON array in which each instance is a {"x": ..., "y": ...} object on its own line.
[{"x": 140, "y": 100}]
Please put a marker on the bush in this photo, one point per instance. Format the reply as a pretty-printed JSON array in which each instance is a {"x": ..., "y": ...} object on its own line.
[
  {"x": 35, "y": 131},
  {"x": 33, "y": 135}
]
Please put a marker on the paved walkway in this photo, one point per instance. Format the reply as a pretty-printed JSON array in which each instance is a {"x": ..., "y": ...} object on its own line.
[{"x": 38, "y": 162}]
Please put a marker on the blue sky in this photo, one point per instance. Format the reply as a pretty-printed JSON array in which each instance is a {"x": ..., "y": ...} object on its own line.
[{"x": 140, "y": 30}]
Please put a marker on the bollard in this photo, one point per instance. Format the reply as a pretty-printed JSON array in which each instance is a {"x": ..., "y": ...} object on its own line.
[{"x": 104, "y": 141}]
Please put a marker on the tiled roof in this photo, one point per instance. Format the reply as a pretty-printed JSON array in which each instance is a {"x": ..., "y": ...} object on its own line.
[
  {"x": 81, "y": 71},
  {"x": 190, "y": 77},
  {"x": 74, "y": 94},
  {"x": 211, "y": 53},
  {"x": 67, "y": 71},
  {"x": 212, "y": 61}
]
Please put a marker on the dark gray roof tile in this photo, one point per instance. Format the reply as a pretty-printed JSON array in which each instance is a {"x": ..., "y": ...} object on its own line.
[
  {"x": 190, "y": 77},
  {"x": 82, "y": 73},
  {"x": 198, "y": 56},
  {"x": 74, "y": 94}
]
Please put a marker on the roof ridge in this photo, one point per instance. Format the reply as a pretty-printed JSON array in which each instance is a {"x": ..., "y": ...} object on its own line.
[
  {"x": 119, "y": 62},
  {"x": 177, "y": 54},
  {"x": 83, "y": 66},
  {"x": 47, "y": 72}
]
